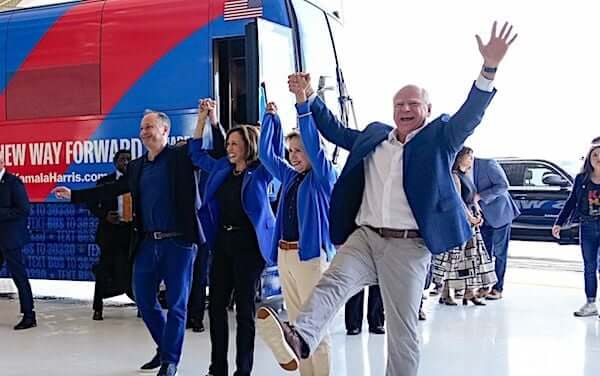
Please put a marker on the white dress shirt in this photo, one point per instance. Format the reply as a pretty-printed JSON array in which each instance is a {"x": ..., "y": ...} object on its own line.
[
  {"x": 2, "y": 173},
  {"x": 119, "y": 198},
  {"x": 384, "y": 202}
]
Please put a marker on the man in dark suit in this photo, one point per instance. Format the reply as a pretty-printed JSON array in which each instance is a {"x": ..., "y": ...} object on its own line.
[
  {"x": 167, "y": 230},
  {"x": 353, "y": 312},
  {"x": 393, "y": 205},
  {"x": 498, "y": 210},
  {"x": 113, "y": 271},
  {"x": 14, "y": 235}
]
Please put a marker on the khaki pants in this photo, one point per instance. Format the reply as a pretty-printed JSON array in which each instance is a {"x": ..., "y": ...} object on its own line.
[
  {"x": 298, "y": 278},
  {"x": 399, "y": 266}
]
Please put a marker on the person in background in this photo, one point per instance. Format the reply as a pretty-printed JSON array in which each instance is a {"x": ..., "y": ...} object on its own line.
[
  {"x": 583, "y": 206},
  {"x": 113, "y": 236},
  {"x": 14, "y": 235}
]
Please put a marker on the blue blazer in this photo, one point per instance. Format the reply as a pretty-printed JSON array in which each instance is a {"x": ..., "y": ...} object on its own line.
[
  {"x": 427, "y": 161},
  {"x": 313, "y": 193},
  {"x": 498, "y": 207},
  {"x": 14, "y": 210},
  {"x": 255, "y": 200},
  {"x": 571, "y": 212}
]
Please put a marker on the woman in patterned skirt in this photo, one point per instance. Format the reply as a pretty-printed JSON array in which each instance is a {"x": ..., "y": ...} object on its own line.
[{"x": 469, "y": 266}]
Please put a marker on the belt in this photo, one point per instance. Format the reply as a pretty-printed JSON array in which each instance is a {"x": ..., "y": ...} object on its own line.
[
  {"x": 229, "y": 228},
  {"x": 398, "y": 234},
  {"x": 288, "y": 246},
  {"x": 157, "y": 235}
]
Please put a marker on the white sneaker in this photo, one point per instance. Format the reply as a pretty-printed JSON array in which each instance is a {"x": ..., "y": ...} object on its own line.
[{"x": 588, "y": 309}]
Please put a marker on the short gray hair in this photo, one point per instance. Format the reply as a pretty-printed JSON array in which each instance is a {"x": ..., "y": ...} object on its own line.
[{"x": 164, "y": 119}]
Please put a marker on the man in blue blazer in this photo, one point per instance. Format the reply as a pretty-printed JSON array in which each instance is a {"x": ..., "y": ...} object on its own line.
[
  {"x": 394, "y": 204},
  {"x": 14, "y": 235},
  {"x": 499, "y": 210}
]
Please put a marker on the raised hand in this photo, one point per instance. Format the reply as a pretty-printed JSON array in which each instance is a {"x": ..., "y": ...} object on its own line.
[
  {"x": 272, "y": 108},
  {"x": 493, "y": 52},
  {"x": 298, "y": 84},
  {"x": 62, "y": 193}
]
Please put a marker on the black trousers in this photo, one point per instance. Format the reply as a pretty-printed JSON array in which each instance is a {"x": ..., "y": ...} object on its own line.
[
  {"x": 237, "y": 266},
  {"x": 197, "y": 302},
  {"x": 16, "y": 268},
  {"x": 354, "y": 309},
  {"x": 114, "y": 268}
]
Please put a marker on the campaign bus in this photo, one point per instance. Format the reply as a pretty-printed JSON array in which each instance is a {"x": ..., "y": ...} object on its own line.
[{"x": 76, "y": 77}]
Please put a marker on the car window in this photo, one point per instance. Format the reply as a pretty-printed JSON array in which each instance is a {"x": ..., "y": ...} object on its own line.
[
  {"x": 535, "y": 174},
  {"x": 515, "y": 172}
]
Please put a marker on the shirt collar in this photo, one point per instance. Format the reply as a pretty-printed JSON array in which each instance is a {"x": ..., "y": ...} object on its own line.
[
  {"x": 119, "y": 174},
  {"x": 392, "y": 135},
  {"x": 2, "y": 173}
]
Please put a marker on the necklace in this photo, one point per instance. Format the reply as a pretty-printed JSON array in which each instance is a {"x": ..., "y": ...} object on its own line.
[{"x": 237, "y": 173}]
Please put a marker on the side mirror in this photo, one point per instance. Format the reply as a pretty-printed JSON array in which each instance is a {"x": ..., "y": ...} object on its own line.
[{"x": 554, "y": 180}]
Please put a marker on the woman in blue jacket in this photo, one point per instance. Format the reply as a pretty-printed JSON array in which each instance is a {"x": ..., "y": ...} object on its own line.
[
  {"x": 236, "y": 198},
  {"x": 301, "y": 243},
  {"x": 583, "y": 206}
]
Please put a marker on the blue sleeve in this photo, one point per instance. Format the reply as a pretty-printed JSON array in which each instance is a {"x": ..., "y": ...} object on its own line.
[
  {"x": 199, "y": 156},
  {"x": 19, "y": 207},
  {"x": 321, "y": 165},
  {"x": 330, "y": 127},
  {"x": 499, "y": 182},
  {"x": 570, "y": 204},
  {"x": 269, "y": 150},
  {"x": 462, "y": 124}
]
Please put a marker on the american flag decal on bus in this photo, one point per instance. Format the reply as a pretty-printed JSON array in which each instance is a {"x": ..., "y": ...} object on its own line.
[{"x": 240, "y": 9}]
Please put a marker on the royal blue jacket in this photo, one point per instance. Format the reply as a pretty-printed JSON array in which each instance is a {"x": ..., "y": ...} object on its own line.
[
  {"x": 427, "y": 162},
  {"x": 313, "y": 193},
  {"x": 255, "y": 200}
]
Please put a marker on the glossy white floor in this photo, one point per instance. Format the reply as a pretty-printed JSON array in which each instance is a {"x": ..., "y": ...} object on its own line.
[{"x": 530, "y": 332}]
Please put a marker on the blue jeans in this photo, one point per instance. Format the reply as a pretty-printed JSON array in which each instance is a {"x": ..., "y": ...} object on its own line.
[
  {"x": 496, "y": 242},
  {"x": 589, "y": 235},
  {"x": 172, "y": 261}
]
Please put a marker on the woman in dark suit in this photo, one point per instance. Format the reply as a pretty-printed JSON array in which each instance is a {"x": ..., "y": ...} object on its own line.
[{"x": 236, "y": 196}]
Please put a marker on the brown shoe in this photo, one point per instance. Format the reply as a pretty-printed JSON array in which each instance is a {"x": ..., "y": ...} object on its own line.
[
  {"x": 281, "y": 337},
  {"x": 494, "y": 295}
]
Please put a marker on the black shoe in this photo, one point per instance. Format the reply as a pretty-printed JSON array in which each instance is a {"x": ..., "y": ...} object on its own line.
[
  {"x": 353, "y": 331},
  {"x": 377, "y": 330},
  {"x": 195, "y": 324},
  {"x": 153, "y": 364},
  {"x": 97, "y": 316},
  {"x": 28, "y": 321},
  {"x": 422, "y": 315},
  {"x": 167, "y": 369}
]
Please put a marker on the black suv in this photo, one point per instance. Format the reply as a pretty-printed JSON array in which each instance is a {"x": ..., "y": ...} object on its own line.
[{"x": 540, "y": 189}]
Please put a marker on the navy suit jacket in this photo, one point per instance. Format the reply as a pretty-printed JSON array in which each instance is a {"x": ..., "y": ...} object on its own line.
[
  {"x": 427, "y": 162},
  {"x": 14, "y": 210},
  {"x": 498, "y": 207},
  {"x": 184, "y": 197}
]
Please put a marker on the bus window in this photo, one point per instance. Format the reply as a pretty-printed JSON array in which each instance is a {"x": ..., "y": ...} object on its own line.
[
  {"x": 317, "y": 53},
  {"x": 276, "y": 62},
  {"x": 61, "y": 74}
]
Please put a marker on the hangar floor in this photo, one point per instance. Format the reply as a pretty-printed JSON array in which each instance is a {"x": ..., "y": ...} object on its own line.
[{"x": 531, "y": 331}]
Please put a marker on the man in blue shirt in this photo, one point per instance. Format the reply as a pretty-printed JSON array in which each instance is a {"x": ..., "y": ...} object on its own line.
[{"x": 163, "y": 189}]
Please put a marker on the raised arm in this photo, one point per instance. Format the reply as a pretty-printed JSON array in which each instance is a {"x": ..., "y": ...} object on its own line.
[
  {"x": 200, "y": 156},
  {"x": 268, "y": 144},
  {"x": 19, "y": 207},
  {"x": 321, "y": 165},
  {"x": 329, "y": 126},
  {"x": 461, "y": 125}
]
